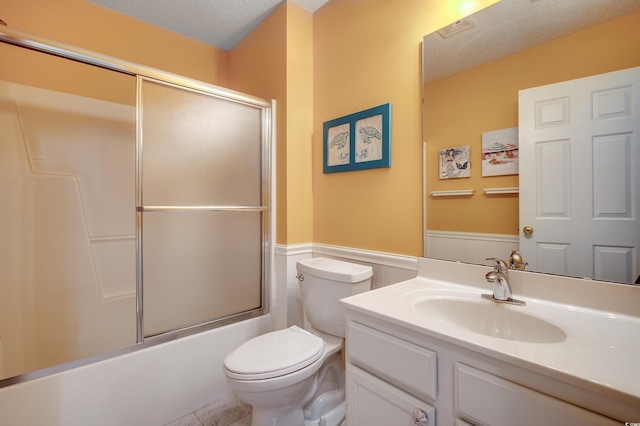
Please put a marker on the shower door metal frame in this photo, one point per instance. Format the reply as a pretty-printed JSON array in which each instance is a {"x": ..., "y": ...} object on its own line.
[
  {"x": 264, "y": 208},
  {"x": 44, "y": 45}
]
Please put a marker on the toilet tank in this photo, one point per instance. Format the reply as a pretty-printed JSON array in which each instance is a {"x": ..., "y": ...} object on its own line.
[{"x": 323, "y": 282}]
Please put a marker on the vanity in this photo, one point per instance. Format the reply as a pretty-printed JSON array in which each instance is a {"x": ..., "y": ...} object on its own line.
[{"x": 432, "y": 351}]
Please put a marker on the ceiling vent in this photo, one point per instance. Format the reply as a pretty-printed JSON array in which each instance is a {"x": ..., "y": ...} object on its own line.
[{"x": 457, "y": 27}]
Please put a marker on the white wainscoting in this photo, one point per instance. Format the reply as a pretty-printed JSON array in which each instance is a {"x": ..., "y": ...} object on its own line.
[
  {"x": 387, "y": 269},
  {"x": 286, "y": 283},
  {"x": 468, "y": 246}
]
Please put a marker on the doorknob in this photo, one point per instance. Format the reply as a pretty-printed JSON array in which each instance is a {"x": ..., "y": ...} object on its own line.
[{"x": 528, "y": 230}]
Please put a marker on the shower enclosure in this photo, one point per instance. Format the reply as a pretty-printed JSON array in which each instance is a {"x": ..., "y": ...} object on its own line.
[{"x": 135, "y": 206}]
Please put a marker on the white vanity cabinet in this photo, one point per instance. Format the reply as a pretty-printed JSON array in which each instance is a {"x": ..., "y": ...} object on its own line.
[
  {"x": 373, "y": 373},
  {"x": 393, "y": 373},
  {"x": 376, "y": 402}
]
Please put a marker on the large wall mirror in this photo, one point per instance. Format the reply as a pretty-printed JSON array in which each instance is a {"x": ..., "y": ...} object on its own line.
[{"x": 477, "y": 160}]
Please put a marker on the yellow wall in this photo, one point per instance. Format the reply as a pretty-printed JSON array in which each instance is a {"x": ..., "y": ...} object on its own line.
[
  {"x": 87, "y": 25},
  {"x": 275, "y": 61},
  {"x": 490, "y": 94},
  {"x": 257, "y": 65},
  {"x": 367, "y": 53},
  {"x": 299, "y": 125},
  {"x": 24, "y": 66},
  {"x": 349, "y": 56}
]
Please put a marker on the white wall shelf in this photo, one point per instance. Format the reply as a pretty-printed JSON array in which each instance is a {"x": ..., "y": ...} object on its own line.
[
  {"x": 494, "y": 191},
  {"x": 454, "y": 193}
]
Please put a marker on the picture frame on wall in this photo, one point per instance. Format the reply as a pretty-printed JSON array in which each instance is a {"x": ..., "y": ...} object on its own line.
[
  {"x": 500, "y": 152},
  {"x": 358, "y": 141},
  {"x": 455, "y": 162}
]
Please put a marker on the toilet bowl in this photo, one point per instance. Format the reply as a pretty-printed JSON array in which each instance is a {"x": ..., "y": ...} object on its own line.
[{"x": 295, "y": 376}]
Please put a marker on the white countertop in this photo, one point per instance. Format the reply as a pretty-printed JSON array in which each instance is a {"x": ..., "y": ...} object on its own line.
[{"x": 601, "y": 351}]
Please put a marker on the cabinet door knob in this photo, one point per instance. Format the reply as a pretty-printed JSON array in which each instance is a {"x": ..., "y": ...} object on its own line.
[{"x": 420, "y": 417}]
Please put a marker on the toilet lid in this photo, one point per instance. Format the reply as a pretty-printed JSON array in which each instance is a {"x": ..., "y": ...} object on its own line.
[{"x": 274, "y": 354}]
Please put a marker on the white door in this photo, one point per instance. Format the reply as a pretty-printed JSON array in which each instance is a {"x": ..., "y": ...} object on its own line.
[{"x": 580, "y": 177}]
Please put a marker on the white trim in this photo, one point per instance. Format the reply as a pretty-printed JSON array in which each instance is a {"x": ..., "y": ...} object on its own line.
[
  {"x": 424, "y": 183},
  {"x": 379, "y": 258},
  {"x": 293, "y": 249},
  {"x": 387, "y": 269}
]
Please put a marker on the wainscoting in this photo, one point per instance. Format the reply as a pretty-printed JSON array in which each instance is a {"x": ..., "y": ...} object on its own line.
[
  {"x": 469, "y": 247},
  {"x": 286, "y": 305},
  {"x": 387, "y": 269},
  {"x": 286, "y": 310}
]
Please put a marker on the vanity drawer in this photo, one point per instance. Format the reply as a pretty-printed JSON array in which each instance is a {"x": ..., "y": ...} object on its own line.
[
  {"x": 485, "y": 399},
  {"x": 372, "y": 401},
  {"x": 402, "y": 363}
]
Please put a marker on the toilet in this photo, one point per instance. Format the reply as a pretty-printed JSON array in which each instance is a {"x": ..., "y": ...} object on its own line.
[{"x": 295, "y": 376}]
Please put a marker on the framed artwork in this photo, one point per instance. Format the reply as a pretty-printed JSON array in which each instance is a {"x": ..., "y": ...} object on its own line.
[
  {"x": 358, "y": 141},
  {"x": 455, "y": 162},
  {"x": 500, "y": 152}
]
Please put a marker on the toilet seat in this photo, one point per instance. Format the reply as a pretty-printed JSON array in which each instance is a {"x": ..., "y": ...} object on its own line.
[{"x": 274, "y": 354}]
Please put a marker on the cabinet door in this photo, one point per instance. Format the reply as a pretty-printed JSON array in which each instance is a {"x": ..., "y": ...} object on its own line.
[
  {"x": 371, "y": 401},
  {"x": 485, "y": 399}
]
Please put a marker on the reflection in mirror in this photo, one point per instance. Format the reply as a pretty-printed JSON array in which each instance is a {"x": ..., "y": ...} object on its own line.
[
  {"x": 522, "y": 45},
  {"x": 67, "y": 184}
]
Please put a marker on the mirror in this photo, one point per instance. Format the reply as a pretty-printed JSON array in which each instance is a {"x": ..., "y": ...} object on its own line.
[{"x": 472, "y": 72}]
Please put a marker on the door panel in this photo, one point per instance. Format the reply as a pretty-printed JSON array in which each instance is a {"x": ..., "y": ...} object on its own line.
[{"x": 579, "y": 186}]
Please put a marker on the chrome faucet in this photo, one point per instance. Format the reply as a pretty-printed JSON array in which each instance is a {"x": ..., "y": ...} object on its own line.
[
  {"x": 516, "y": 261},
  {"x": 499, "y": 277}
]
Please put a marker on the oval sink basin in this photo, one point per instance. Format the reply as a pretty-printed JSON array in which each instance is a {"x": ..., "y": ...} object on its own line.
[{"x": 491, "y": 319}]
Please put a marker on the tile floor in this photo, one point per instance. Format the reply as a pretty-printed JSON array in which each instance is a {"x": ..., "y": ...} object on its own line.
[{"x": 229, "y": 412}]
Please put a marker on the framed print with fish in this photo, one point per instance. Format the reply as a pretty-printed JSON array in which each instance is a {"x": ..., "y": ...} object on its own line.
[{"x": 358, "y": 141}]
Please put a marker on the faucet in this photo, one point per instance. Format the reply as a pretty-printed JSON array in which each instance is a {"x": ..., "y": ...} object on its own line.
[
  {"x": 516, "y": 261},
  {"x": 499, "y": 277}
]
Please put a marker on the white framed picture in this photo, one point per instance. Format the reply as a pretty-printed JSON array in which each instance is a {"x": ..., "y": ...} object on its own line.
[
  {"x": 455, "y": 162},
  {"x": 500, "y": 152}
]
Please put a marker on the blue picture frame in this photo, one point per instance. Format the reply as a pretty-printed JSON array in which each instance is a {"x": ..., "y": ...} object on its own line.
[{"x": 358, "y": 141}]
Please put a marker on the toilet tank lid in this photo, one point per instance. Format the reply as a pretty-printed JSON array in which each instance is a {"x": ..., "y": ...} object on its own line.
[{"x": 336, "y": 270}]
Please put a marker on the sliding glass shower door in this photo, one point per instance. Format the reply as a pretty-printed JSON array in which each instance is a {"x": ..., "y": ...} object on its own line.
[
  {"x": 67, "y": 210},
  {"x": 134, "y": 206},
  {"x": 202, "y": 206}
]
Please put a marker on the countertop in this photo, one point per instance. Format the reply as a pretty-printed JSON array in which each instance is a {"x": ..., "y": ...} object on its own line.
[{"x": 601, "y": 351}]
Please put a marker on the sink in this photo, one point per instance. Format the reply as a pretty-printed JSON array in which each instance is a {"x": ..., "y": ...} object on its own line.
[{"x": 491, "y": 319}]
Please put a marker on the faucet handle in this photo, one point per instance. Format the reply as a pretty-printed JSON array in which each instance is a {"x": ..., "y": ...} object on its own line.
[{"x": 499, "y": 265}]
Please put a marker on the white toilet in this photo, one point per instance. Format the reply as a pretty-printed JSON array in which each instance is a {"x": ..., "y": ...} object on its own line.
[{"x": 295, "y": 377}]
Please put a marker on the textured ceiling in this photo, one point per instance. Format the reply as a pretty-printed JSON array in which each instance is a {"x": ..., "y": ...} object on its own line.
[
  {"x": 220, "y": 23},
  {"x": 513, "y": 25},
  {"x": 503, "y": 28}
]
